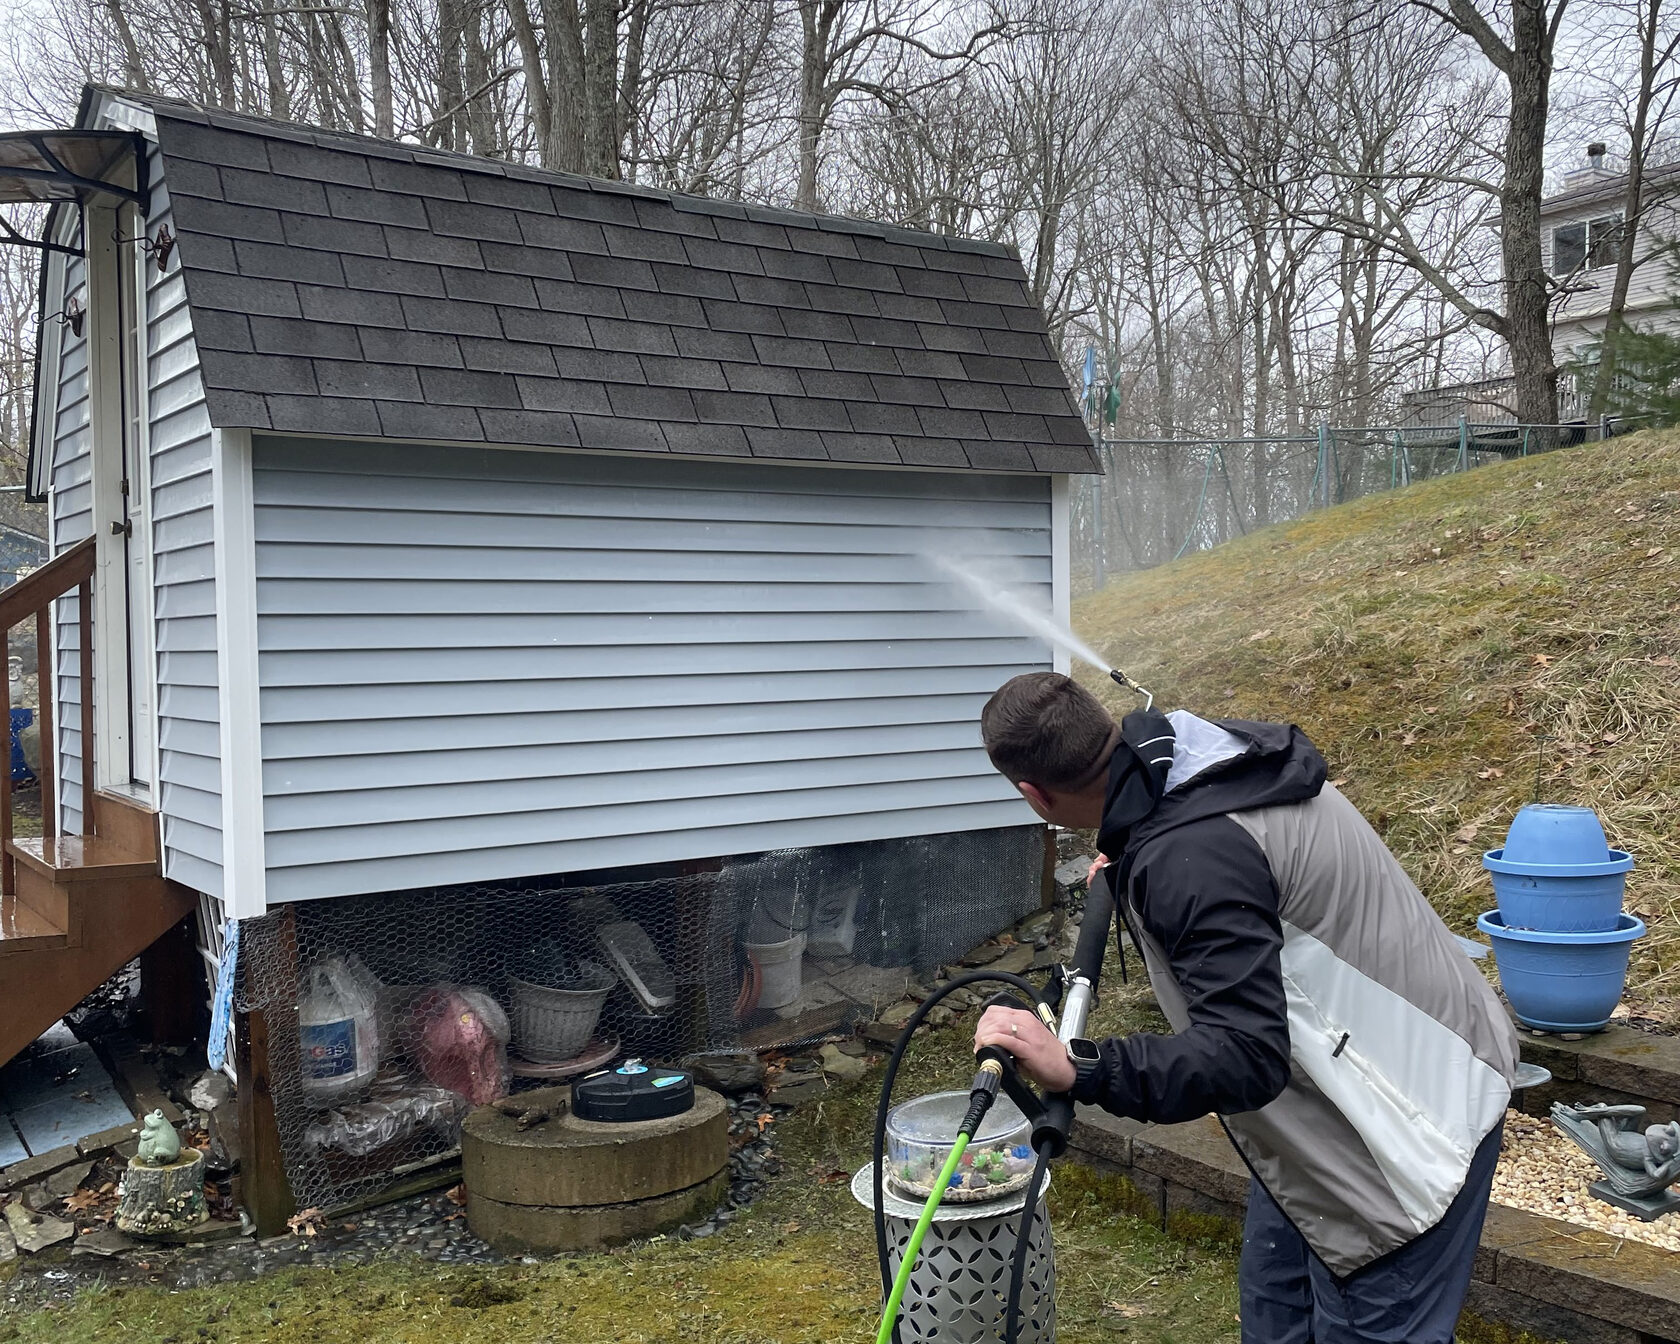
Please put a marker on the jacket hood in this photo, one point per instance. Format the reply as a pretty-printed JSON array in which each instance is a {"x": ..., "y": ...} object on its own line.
[{"x": 1270, "y": 763}]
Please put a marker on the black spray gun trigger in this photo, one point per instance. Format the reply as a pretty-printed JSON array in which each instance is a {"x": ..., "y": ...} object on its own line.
[{"x": 993, "y": 1057}]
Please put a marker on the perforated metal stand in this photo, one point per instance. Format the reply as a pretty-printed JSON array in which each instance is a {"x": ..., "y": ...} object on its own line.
[{"x": 959, "y": 1289}]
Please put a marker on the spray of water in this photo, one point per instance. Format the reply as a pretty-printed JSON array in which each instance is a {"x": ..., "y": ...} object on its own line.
[{"x": 1015, "y": 609}]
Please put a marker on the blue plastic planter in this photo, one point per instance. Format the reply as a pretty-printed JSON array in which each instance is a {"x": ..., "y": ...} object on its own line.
[
  {"x": 1556, "y": 874},
  {"x": 1562, "y": 981}
]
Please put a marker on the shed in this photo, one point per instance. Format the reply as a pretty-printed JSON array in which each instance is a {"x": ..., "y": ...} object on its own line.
[{"x": 451, "y": 522}]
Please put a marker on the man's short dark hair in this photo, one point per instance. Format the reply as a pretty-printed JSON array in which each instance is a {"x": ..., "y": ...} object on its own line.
[{"x": 1046, "y": 729}]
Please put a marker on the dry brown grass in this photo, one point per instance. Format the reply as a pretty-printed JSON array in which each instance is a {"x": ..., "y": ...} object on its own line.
[{"x": 1456, "y": 650}]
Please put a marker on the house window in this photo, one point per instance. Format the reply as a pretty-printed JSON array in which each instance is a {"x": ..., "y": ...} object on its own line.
[
  {"x": 1604, "y": 241},
  {"x": 1586, "y": 245}
]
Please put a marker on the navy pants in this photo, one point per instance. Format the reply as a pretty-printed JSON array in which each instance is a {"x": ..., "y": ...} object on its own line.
[{"x": 1410, "y": 1296}]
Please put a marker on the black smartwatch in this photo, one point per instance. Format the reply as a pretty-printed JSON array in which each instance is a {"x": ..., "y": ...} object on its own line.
[{"x": 1086, "y": 1059}]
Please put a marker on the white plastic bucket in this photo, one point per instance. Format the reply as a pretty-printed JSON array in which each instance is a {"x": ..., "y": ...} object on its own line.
[{"x": 780, "y": 970}]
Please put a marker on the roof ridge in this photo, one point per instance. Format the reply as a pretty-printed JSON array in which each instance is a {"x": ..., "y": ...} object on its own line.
[{"x": 249, "y": 123}]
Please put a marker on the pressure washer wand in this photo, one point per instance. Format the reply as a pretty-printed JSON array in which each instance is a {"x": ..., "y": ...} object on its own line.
[{"x": 1082, "y": 977}]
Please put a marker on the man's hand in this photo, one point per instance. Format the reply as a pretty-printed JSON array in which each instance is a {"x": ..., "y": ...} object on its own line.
[
  {"x": 1038, "y": 1054},
  {"x": 1102, "y": 862}
]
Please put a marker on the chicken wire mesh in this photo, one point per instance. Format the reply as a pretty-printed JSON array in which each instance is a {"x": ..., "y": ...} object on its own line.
[{"x": 388, "y": 1016}]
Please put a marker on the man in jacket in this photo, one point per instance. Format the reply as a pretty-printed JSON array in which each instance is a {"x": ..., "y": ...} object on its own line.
[{"x": 1356, "y": 1057}]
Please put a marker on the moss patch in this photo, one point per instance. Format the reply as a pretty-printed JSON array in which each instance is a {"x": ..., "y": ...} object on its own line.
[{"x": 1456, "y": 649}]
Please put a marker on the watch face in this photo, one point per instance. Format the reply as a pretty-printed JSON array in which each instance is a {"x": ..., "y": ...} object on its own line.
[{"x": 1082, "y": 1051}]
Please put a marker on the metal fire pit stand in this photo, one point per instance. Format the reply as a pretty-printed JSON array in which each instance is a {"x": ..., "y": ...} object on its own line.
[{"x": 959, "y": 1289}]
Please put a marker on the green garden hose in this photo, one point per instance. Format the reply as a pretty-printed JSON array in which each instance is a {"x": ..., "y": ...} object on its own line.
[{"x": 901, "y": 1280}]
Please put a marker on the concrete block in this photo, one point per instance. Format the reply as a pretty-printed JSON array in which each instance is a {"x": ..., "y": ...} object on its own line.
[
  {"x": 1622, "y": 1282},
  {"x": 568, "y": 1162},
  {"x": 1505, "y": 1229},
  {"x": 1194, "y": 1216},
  {"x": 1196, "y": 1155},
  {"x": 34, "y": 1168},
  {"x": 1098, "y": 1134},
  {"x": 519, "y": 1228},
  {"x": 1516, "y": 1312}
]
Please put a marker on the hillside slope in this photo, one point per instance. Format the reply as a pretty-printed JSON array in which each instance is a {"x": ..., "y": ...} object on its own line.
[{"x": 1456, "y": 649}]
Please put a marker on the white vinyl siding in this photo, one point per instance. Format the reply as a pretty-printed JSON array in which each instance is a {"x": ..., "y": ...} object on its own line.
[
  {"x": 71, "y": 522},
  {"x": 184, "y": 576},
  {"x": 484, "y": 664}
]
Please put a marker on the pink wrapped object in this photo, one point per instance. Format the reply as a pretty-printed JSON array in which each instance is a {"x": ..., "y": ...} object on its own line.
[{"x": 463, "y": 1036}]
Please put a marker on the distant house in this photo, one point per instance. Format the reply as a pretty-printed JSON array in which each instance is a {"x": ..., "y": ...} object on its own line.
[
  {"x": 1581, "y": 241},
  {"x": 451, "y": 522}
]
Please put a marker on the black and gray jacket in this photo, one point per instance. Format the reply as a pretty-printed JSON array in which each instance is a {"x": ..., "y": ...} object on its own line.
[{"x": 1319, "y": 1004}]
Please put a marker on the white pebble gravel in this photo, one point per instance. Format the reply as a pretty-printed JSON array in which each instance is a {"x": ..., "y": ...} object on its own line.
[{"x": 1540, "y": 1171}]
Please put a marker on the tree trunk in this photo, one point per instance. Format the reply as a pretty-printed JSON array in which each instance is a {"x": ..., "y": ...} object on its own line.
[
  {"x": 134, "y": 69},
  {"x": 1527, "y": 291},
  {"x": 1632, "y": 206},
  {"x": 814, "y": 21},
  {"x": 379, "y": 67}
]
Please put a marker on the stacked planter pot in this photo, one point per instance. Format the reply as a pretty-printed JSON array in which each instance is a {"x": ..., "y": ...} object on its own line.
[{"x": 1559, "y": 935}]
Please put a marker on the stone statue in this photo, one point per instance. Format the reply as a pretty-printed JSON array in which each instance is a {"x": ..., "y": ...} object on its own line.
[
  {"x": 1638, "y": 1167},
  {"x": 159, "y": 1143}
]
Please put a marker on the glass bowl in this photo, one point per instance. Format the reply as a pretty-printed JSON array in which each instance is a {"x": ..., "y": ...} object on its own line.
[{"x": 922, "y": 1132}]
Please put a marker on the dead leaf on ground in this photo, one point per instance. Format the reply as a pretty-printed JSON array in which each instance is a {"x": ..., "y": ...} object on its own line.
[
  {"x": 1466, "y": 833},
  {"x": 457, "y": 1194},
  {"x": 1258, "y": 635},
  {"x": 832, "y": 1177},
  {"x": 1130, "y": 1310},
  {"x": 1542, "y": 660},
  {"x": 307, "y": 1223},
  {"x": 1490, "y": 773},
  {"x": 1409, "y": 740}
]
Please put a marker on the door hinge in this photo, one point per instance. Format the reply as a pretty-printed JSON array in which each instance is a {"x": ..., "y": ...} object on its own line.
[{"x": 122, "y": 529}]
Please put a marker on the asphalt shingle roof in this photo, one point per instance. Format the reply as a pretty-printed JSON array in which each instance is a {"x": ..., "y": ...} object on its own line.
[{"x": 352, "y": 286}]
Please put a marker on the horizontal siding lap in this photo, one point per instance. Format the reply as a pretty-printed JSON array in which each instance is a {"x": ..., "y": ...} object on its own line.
[
  {"x": 556, "y": 665},
  {"x": 652, "y": 597},
  {"x": 326, "y": 740},
  {"x": 620, "y": 630},
  {"x": 495, "y": 799},
  {"x": 450, "y": 866},
  {"x": 314, "y": 704},
  {"x": 747, "y": 559},
  {"x": 590, "y": 522},
  {"x": 307, "y": 776},
  {"x": 397, "y": 839}
]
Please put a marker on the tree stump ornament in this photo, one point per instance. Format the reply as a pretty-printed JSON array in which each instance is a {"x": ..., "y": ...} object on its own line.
[
  {"x": 1638, "y": 1167},
  {"x": 163, "y": 1189}
]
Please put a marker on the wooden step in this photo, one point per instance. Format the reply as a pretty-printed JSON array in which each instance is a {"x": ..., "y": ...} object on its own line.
[
  {"x": 126, "y": 822},
  {"x": 23, "y": 928},
  {"x": 80, "y": 858}
]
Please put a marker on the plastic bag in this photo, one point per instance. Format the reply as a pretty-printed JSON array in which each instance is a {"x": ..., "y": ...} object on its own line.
[
  {"x": 462, "y": 1036},
  {"x": 397, "y": 1109},
  {"x": 338, "y": 1028}
]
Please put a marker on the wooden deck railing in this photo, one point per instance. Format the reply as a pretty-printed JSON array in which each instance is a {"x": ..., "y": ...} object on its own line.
[{"x": 33, "y": 596}]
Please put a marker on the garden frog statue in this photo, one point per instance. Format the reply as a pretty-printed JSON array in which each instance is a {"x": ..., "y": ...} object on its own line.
[
  {"x": 1637, "y": 1165},
  {"x": 159, "y": 1143}
]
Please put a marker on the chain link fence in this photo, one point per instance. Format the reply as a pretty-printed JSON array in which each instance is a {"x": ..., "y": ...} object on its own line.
[
  {"x": 1163, "y": 498},
  {"x": 390, "y": 1015}
]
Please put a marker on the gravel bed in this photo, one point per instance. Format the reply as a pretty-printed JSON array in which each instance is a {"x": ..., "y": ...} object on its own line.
[{"x": 1540, "y": 1171}]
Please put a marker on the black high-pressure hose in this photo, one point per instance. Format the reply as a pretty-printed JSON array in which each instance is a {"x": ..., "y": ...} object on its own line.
[{"x": 893, "y": 1062}]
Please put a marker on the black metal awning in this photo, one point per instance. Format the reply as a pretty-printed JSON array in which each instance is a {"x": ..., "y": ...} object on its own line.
[{"x": 68, "y": 167}]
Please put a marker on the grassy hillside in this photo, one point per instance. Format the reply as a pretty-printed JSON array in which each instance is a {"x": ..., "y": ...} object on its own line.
[{"x": 1456, "y": 649}]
